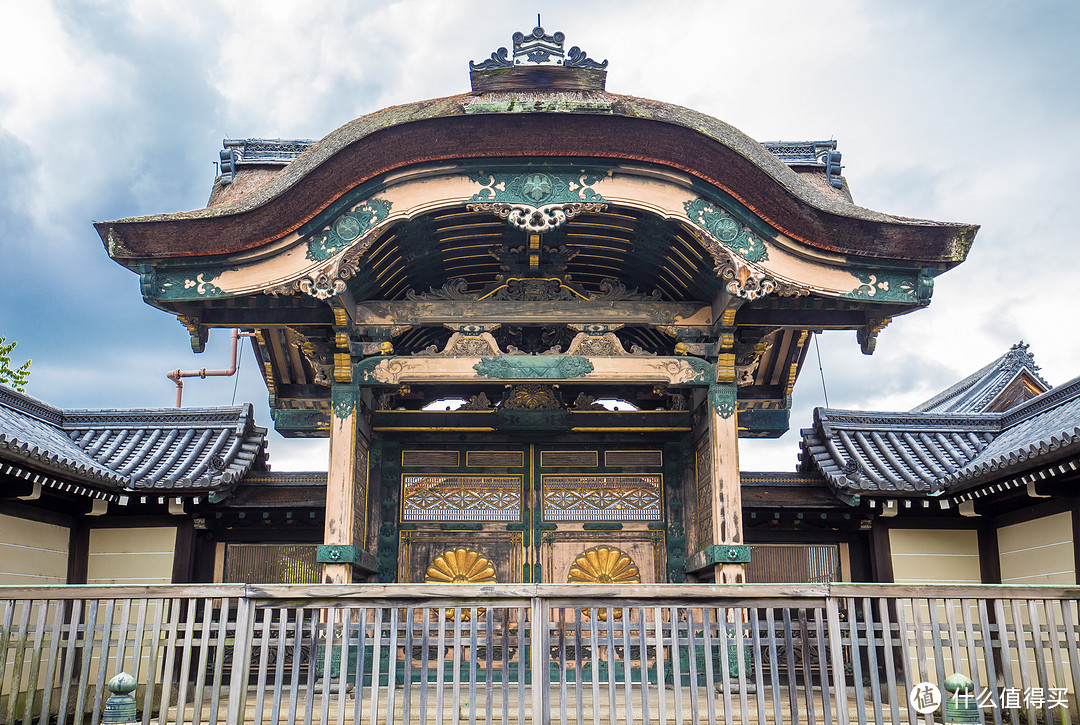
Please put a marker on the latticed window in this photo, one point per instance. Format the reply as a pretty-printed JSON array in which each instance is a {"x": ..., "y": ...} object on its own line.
[
  {"x": 271, "y": 564},
  {"x": 793, "y": 564}
]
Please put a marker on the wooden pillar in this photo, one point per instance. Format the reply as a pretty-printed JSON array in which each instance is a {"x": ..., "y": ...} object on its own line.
[
  {"x": 345, "y": 532},
  {"x": 729, "y": 555}
]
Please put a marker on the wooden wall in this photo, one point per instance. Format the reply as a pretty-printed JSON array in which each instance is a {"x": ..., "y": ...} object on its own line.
[
  {"x": 136, "y": 556},
  {"x": 1039, "y": 551},
  {"x": 32, "y": 552},
  {"x": 935, "y": 556}
]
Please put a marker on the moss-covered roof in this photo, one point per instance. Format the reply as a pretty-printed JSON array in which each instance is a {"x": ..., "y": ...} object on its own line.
[{"x": 532, "y": 123}]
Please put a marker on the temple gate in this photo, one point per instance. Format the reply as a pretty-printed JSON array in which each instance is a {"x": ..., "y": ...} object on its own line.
[{"x": 533, "y": 319}]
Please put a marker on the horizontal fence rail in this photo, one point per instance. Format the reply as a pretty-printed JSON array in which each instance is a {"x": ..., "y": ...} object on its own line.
[{"x": 570, "y": 654}]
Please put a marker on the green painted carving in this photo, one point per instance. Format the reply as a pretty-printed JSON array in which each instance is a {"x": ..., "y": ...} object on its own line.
[
  {"x": 300, "y": 423},
  {"x": 882, "y": 286},
  {"x": 337, "y": 554},
  {"x": 347, "y": 228},
  {"x": 676, "y": 553},
  {"x": 727, "y": 230},
  {"x": 727, "y": 554},
  {"x": 343, "y": 398},
  {"x": 179, "y": 284},
  {"x": 601, "y": 526},
  {"x": 705, "y": 372},
  {"x": 551, "y": 367},
  {"x": 722, "y": 398},
  {"x": 537, "y": 188},
  {"x": 364, "y": 371}
]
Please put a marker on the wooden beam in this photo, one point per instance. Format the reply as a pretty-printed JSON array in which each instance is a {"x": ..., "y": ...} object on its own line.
[
  {"x": 881, "y": 562},
  {"x": 263, "y": 317},
  {"x": 184, "y": 553},
  {"x": 620, "y": 370},
  {"x": 802, "y": 319},
  {"x": 377, "y": 313},
  {"x": 78, "y": 554},
  {"x": 301, "y": 392},
  {"x": 989, "y": 555}
]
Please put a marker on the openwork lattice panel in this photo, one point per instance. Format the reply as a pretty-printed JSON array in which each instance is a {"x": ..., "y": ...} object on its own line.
[
  {"x": 461, "y": 498},
  {"x": 622, "y": 497}
]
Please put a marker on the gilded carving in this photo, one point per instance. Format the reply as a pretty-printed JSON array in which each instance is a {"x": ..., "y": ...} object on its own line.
[
  {"x": 604, "y": 565},
  {"x": 532, "y": 289},
  {"x": 603, "y": 497},
  {"x": 320, "y": 357},
  {"x": 613, "y": 289},
  {"x": 460, "y": 566},
  {"x": 477, "y": 402},
  {"x": 460, "y": 498},
  {"x": 604, "y": 345},
  {"x": 531, "y": 397},
  {"x": 454, "y": 289},
  {"x": 867, "y": 334},
  {"x": 536, "y": 219},
  {"x": 471, "y": 347},
  {"x": 586, "y": 402},
  {"x": 329, "y": 280}
]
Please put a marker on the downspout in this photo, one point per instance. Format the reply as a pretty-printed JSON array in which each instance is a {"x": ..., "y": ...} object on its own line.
[{"x": 177, "y": 375}]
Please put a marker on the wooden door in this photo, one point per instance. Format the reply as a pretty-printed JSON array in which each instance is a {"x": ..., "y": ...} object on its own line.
[{"x": 530, "y": 513}]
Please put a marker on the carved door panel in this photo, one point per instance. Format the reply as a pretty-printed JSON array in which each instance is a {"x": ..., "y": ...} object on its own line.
[
  {"x": 599, "y": 512},
  {"x": 531, "y": 513},
  {"x": 462, "y": 513}
]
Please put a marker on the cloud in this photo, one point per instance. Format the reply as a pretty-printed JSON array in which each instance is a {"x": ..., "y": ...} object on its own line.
[{"x": 957, "y": 111}]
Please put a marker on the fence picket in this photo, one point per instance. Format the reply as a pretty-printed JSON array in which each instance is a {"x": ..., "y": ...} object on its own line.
[{"x": 779, "y": 654}]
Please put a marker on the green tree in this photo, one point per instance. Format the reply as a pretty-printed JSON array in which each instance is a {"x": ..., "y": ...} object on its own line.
[{"x": 13, "y": 377}]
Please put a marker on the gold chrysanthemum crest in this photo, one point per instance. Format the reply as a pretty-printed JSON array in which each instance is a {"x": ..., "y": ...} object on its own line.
[
  {"x": 460, "y": 566},
  {"x": 604, "y": 565}
]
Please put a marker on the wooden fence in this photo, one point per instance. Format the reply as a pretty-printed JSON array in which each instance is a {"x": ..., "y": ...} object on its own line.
[{"x": 521, "y": 654}]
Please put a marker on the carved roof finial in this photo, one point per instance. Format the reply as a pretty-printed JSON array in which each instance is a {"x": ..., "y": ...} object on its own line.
[{"x": 538, "y": 48}]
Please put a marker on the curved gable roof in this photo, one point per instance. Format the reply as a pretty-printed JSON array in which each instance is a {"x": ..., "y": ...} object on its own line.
[{"x": 538, "y": 123}]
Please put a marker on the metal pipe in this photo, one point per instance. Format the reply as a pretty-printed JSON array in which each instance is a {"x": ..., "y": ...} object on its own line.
[{"x": 177, "y": 375}]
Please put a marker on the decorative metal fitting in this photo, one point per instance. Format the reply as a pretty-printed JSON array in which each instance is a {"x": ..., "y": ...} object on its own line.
[{"x": 539, "y": 48}]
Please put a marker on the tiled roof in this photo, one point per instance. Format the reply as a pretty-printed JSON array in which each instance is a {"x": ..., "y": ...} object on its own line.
[
  {"x": 975, "y": 393},
  {"x": 936, "y": 453},
  {"x": 166, "y": 449}
]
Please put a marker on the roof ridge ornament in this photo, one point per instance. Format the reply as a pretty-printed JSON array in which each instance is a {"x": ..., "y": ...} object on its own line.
[{"x": 538, "y": 48}]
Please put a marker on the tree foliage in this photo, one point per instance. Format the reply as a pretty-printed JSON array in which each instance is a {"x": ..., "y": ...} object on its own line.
[{"x": 12, "y": 377}]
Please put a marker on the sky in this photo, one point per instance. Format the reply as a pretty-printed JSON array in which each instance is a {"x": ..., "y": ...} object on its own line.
[{"x": 962, "y": 111}]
